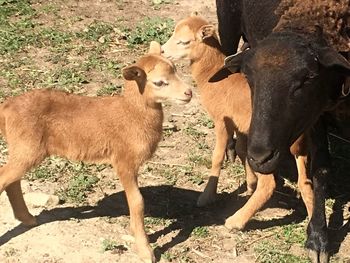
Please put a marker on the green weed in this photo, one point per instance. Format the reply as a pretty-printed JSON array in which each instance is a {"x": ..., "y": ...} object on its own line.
[
  {"x": 109, "y": 89},
  {"x": 155, "y": 28},
  {"x": 200, "y": 232}
]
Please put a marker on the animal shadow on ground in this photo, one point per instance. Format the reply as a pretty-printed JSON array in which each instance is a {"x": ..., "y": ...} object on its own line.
[
  {"x": 167, "y": 202},
  {"x": 338, "y": 188}
]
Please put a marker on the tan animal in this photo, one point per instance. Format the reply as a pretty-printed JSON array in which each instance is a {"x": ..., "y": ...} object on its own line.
[
  {"x": 122, "y": 130},
  {"x": 229, "y": 105}
]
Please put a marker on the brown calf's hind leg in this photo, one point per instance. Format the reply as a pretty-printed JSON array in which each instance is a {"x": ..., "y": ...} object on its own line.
[
  {"x": 305, "y": 184},
  {"x": 265, "y": 187},
  {"x": 10, "y": 176},
  {"x": 128, "y": 178},
  {"x": 209, "y": 194},
  {"x": 20, "y": 210}
]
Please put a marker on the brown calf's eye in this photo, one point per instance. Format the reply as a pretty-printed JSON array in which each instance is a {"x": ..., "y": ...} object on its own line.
[
  {"x": 183, "y": 42},
  {"x": 160, "y": 83}
]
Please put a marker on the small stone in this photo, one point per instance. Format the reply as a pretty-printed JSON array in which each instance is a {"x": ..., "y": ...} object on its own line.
[{"x": 36, "y": 199}]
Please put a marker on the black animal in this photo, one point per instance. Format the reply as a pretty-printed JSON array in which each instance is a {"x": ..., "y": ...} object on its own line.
[{"x": 295, "y": 76}]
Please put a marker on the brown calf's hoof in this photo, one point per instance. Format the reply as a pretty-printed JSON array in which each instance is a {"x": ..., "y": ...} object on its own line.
[
  {"x": 235, "y": 222},
  {"x": 146, "y": 253},
  {"x": 246, "y": 194},
  {"x": 27, "y": 220}
]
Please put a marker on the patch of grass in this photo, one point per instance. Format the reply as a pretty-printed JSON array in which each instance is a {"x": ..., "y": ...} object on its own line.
[
  {"x": 170, "y": 175},
  {"x": 108, "y": 244},
  {"x": 271, "y": 253},
  {"x": 200, "y": 232},
  {"x": 199, "y": 159},
  {"x": 193, "y": 132},
  {"x": 167, "y": 255},
  {"x": 96, "y": 30},
  {"x": 41, "y": 173},
  {"x": 65, "y": 78},
  {"x": 205, "y": 121},
  {"x": 155, "y": 28},
  {"x": 109, "y": 89},
  {"x": 195, "y": 177},
  {"x": 277, "y": 247},
  {"x": 156, "y": 221},
  {"x": 293, "y": 233},
  {"x": 49, "y": 9},
  {"x": 53, "y": 37},
  {"x": 80, "y": 183},
  {"x": 96, "y": 61},
  {"x": 157, "y": 4}
]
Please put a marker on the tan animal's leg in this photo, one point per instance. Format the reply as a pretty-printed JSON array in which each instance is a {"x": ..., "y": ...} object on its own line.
[
  {"x": 241, "y": 148},
  {"x": 209, "y": 194},
  {"x": 10, "y": 176},
  {"x": 128, "y": 178},
  {"x": 265, "y": 187},
  {"x": 305, "y": 184},
  {"x": 20, "y": 210}
]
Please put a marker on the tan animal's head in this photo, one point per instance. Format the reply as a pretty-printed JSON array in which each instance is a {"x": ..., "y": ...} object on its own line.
[
  {"x": 157, "y": 79},
  {"x": 188, "y": 35}
]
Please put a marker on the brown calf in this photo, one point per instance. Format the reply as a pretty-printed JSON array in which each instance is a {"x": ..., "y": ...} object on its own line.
[
  {"x": 122, "y": 130},
  {"x": 229, "y": 105}
]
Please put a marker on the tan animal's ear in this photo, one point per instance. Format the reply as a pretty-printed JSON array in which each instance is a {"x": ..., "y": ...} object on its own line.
[
  {"x": 206, "y": 31},
  {"x": 194, "y": 13},
  {"x": 154, "y": 48},
  {"x": 133, "y": 72}
]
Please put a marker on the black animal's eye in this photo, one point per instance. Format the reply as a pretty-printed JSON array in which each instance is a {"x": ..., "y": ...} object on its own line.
[{"x": 160, "y": 83}]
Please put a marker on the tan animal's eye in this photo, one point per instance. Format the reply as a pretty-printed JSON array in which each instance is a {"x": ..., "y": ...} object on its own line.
[
  {"x": 183, "y": 42},
  {"x": 160, "y": 83}
]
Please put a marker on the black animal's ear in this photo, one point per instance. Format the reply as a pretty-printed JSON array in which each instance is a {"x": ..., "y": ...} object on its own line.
[
  {"x": 331, "y": 58},
  {"x": 234, "y": 62}
]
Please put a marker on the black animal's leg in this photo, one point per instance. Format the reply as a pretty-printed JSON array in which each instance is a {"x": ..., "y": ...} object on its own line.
[
  {"x": 231, "y": 149},
  {"x": 229, "y": 18},
  {"x": 317, "y": 236}
]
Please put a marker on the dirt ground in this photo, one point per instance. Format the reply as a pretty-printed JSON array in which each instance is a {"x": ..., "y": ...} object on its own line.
[{"x": 91, "y": 225}]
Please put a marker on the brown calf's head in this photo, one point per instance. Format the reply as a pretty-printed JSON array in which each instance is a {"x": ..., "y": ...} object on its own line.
[
  {"x": 157, "y": 79},
  {"x": 189, "y": 33},
  {"x": 293, "y": 79}
]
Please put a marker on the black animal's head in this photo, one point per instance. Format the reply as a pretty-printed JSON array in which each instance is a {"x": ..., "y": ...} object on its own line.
[{"x": 293, "y": 80}]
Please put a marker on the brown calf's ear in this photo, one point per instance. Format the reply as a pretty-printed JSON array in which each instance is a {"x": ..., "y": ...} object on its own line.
[
  {"x": 133, "y": 72},
  {"x": 206, "y": 31},
  {"x": 154, "y": 48}
]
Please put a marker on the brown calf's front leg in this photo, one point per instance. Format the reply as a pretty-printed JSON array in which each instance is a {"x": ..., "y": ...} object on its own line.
[
  {"x": 128, "y": 178},
  {"x": 305, "y": 184},
  {"x": 265, "y": 188},
  {"x": 241, "y": 148},
  {"x": 209, "y": 194}
]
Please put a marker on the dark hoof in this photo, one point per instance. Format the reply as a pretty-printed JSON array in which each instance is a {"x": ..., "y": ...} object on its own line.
[
  {"x": 318, "y": 257},
  {"x": 317, "y": 244}
]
